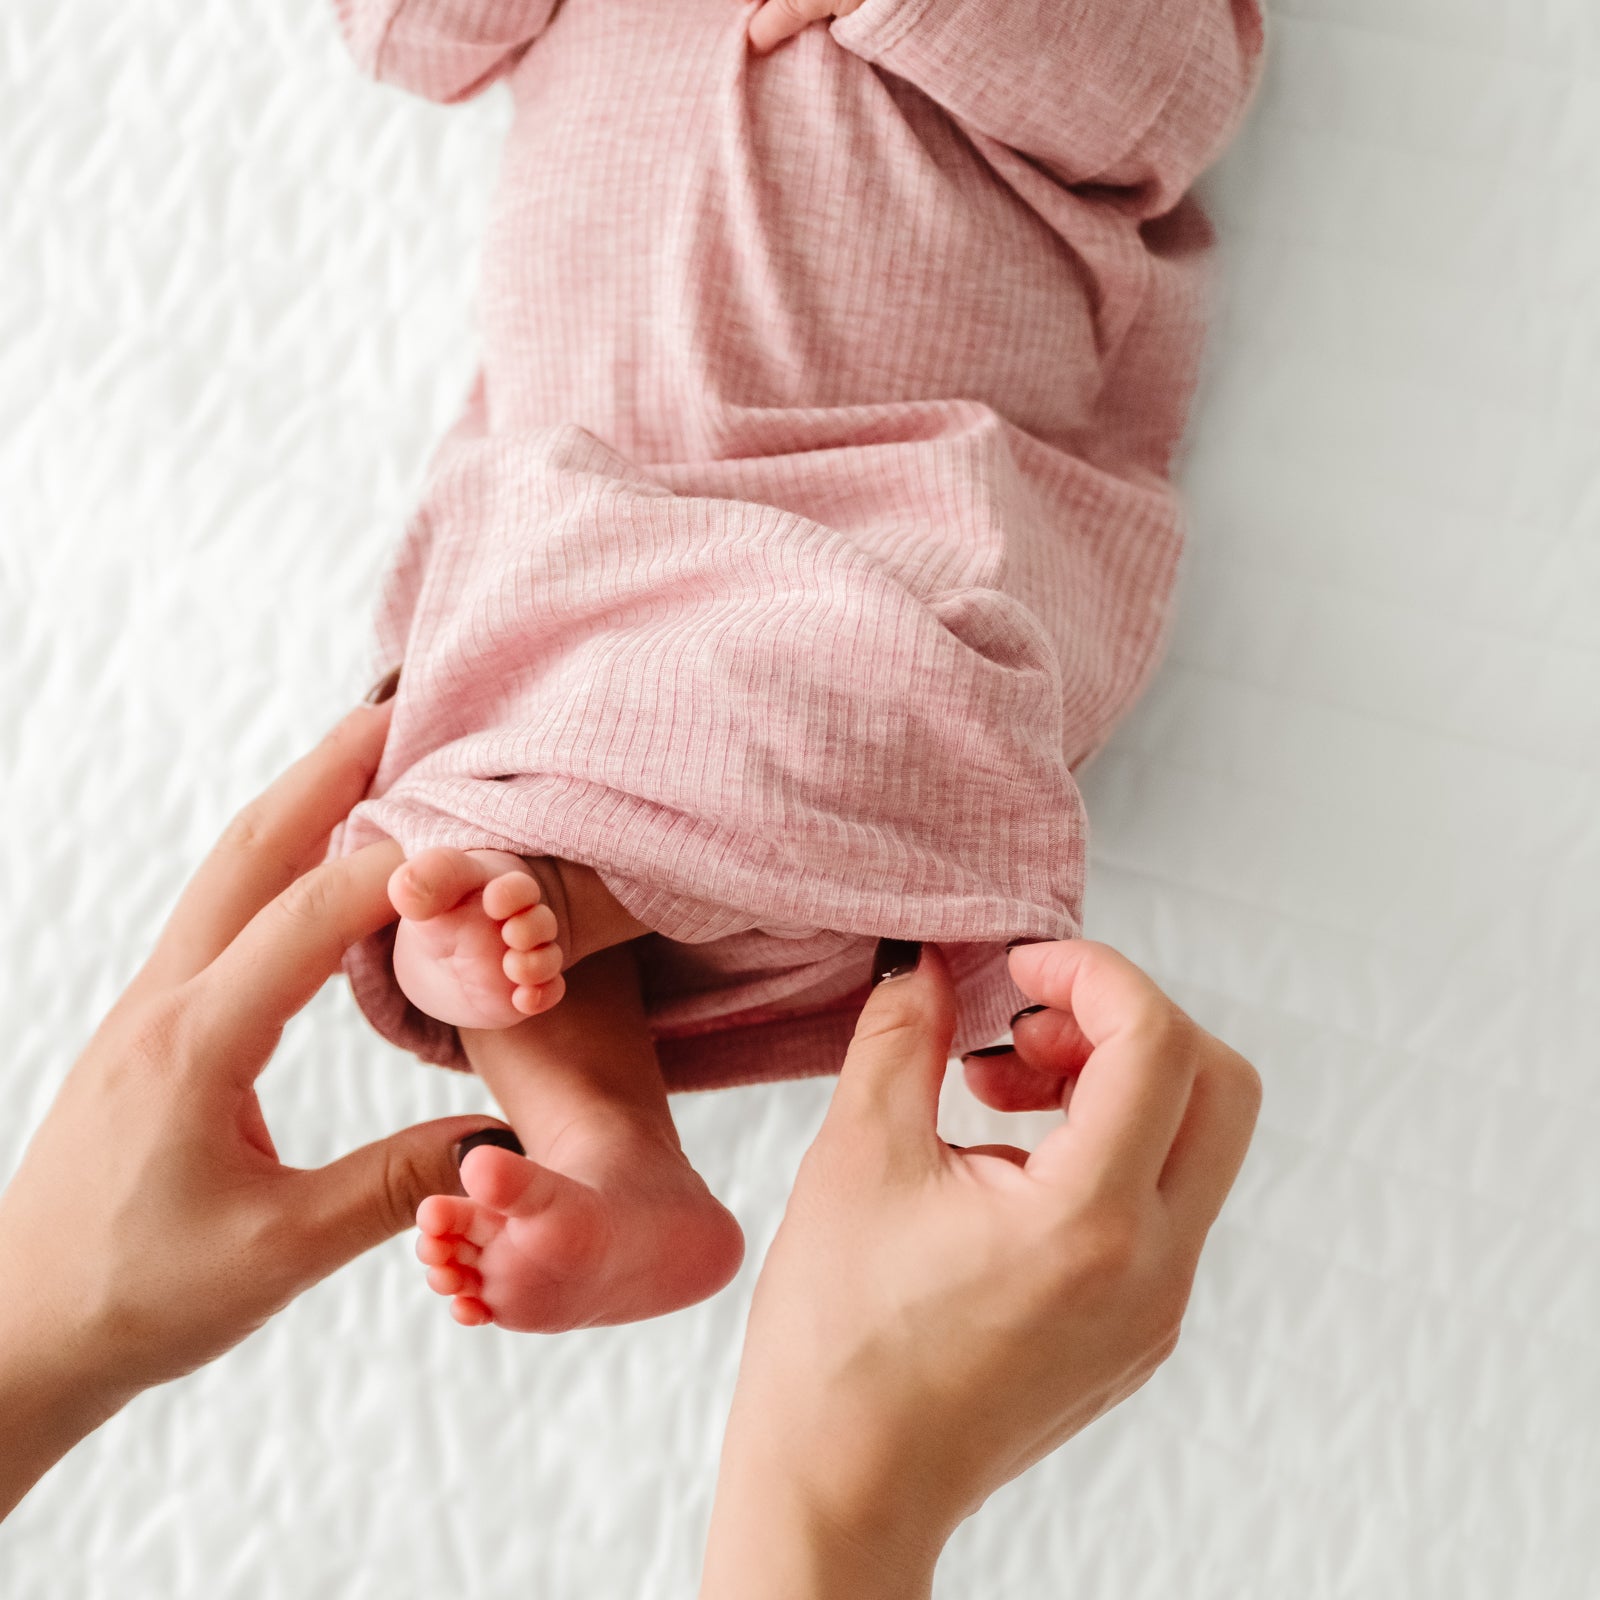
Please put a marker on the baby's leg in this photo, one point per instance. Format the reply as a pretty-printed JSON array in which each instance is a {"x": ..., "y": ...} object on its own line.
[
  {"x": 604, "y": 1221},
  {"x": 484, "y": 936}
]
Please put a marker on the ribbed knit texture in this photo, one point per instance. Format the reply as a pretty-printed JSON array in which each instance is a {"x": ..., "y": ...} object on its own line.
[{"x": 809, "y": 522}]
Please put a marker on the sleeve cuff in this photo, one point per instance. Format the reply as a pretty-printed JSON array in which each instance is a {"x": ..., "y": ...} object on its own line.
[{"x": 1075, "y": 83}]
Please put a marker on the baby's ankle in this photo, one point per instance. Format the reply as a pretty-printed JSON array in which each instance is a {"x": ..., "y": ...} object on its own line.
[
  {"x": 604, "y": 1126},
  {"x": 593, "y": 917}
]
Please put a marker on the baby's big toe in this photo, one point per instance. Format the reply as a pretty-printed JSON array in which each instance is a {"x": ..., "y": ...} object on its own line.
[{"x": 432, "y": 882}]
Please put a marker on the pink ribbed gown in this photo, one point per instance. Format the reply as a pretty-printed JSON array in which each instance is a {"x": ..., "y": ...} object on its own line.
[{"x": 809, "y": 522}]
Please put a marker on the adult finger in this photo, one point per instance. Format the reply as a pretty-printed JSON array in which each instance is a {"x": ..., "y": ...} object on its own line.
[
  {"x": 288, "y": 950},
  {"x": 269, "y": 844},
  {"x": 1050, "y": 1041},
  {"x": 889, "y": 1084},
  {"x": 1100, "y": 989},
  {"x": 1008, "y": 1083},
  {"x": 1035, "y": 1070},
  {"x": 1211, "y": 1142},
  {"x": 1131, "y": 1095},
  {"x": 778, "y": 20},
  {"x": 370, "y": 1195}
]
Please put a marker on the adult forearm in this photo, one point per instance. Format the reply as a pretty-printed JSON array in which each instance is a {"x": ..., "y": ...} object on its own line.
[
  {"x": 769, "y": 1541},
  {"x": 45, "y": 1409}
]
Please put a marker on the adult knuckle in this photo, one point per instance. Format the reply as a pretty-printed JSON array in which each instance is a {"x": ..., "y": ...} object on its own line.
[
  {"x": 1107, "y": 1247},
  {"x": 247, "y": 830},
  {"x": 402, "y": 1186},
  {"x": 891, "y": 1035},
  {"x": 308, "y": 902},
  {"x": 1243, "y": 1081},
  {"x": 159, "y": 1023},
  {"x": 1060, "y": 958},
  {"x": 1167, "y": 1036},
  {"x": 1106, "y": 971},
  {"x": 153, "y": 1042},
  {"x": 1160, "y": 1028},
  {"x": 893, "y": 1018},
  {"x": 166, "y": 1030}
]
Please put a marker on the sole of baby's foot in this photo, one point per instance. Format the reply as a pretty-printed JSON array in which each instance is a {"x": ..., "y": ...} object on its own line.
[
  {"x": 479, "y": 943},
  {"x": 629, "y": 1231}
]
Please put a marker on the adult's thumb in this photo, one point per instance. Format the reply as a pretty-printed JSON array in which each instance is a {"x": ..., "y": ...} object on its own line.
[
  {"x": 895, "y": 1065},
  {"x": 373, "y": 1193}
]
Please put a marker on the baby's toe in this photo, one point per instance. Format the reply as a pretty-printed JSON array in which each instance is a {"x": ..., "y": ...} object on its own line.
[
  {"x": 454, "y": 1280},
  {"x": 433, "y": 882},
  {"x": 531, "y": 999},
  {"x": 512, "y": 1185},
  {"x": 530, "y": 929},
  {"x": 451, "y": 1217},
  {"x": 510, "y": 893},
  {"x": 434, "y": 1250},
  {"x": 532, "y": 967},
  {"x": 445, "y": 1214},
  {"x": 470, "y": 1312}
]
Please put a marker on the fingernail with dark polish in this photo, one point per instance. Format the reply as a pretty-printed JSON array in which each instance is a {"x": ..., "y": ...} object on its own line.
[
  {"x": 989, "y": 1051},
  {"x": 1013, "y": 944},
  {"x": 383, "y": 689},
  {"x": 1027, "y": 1011},
  {"x": 895, "y": 958},
  {"x": 500, "y": 1138}
]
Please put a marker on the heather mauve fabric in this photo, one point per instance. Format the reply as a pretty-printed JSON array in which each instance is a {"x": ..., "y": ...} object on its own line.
[{"x": 809, "y": 522}]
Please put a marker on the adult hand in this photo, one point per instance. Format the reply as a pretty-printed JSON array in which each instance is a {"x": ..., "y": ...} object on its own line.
[
  {"x": 151, "y": 1226},
  {"x": 777, "y": 20},
  {"x": 931, "y": 1321}
]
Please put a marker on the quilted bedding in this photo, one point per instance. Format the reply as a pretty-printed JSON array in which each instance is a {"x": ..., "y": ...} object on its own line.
[{"x": 1353, "y": 825}]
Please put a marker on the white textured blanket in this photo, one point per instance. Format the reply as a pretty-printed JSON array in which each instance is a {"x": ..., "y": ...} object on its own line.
[{"x": 1354, "y": 824}]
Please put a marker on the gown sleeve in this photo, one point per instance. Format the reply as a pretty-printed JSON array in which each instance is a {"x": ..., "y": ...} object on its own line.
[
  {"x": 445, "y": 50},
  {"x": 1137, "y": 95}
]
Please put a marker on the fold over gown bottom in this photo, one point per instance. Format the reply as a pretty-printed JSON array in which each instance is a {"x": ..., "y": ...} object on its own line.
[{"x": 784, "y": 705}]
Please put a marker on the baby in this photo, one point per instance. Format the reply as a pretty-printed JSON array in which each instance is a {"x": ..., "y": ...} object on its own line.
[{"x": 808, "y": 525}]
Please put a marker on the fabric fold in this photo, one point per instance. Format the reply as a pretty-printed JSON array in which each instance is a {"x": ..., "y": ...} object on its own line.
[
  {"x": 1114, "y": 92},
  {"x": 777, "y": 738}
]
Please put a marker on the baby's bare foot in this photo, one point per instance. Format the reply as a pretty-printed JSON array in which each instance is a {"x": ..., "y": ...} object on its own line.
[
  {"x": 478, "y": 943},
  {"x": 627, "y": 1230},
  {"x": 484, "y": 935}
]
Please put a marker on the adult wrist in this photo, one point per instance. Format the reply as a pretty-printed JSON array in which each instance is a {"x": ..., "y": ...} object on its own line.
[
  {"x": 775, "y": 1537},
  {"x": 50, "y": 1398}
]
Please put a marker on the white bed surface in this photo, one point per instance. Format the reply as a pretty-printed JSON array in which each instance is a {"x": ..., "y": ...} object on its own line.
[{"x": 1355, "y": 825}]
